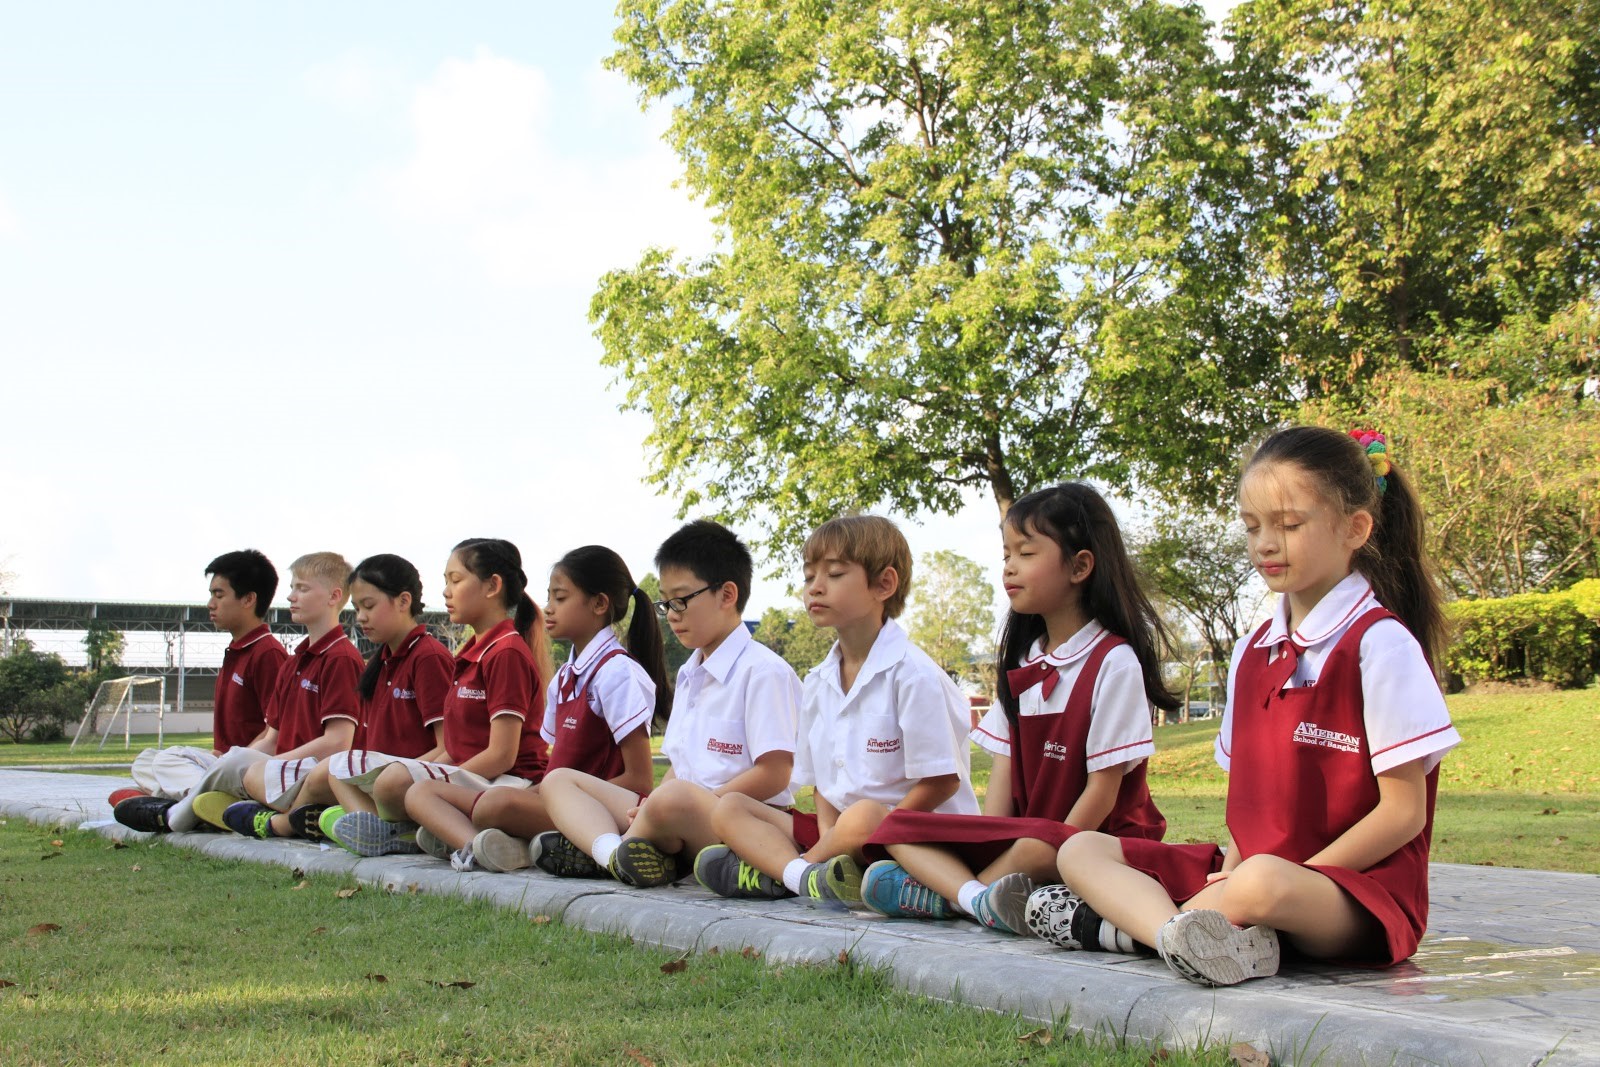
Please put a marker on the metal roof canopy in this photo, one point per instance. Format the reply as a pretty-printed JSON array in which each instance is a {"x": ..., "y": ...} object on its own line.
[{"x": 35, "y": 613}]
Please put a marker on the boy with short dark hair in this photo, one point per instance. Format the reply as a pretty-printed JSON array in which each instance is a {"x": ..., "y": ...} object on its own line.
[
  {"x": 241, "y": 589},
  {"x": 881, "y": 725},
  {"x": 732, "y": 729}
]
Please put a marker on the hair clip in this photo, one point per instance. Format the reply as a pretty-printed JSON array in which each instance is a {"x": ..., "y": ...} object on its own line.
[{"x": 1376, "y": 446}]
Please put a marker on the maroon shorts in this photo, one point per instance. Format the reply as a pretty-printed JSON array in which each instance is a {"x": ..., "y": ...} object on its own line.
[
  {"x": 1181, "y": 869},
  {"x": 805, "y": 831}
]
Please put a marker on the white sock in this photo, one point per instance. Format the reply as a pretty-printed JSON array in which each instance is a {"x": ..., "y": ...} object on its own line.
[
  {"x": 605, "y": 846},
  {"x": 967, "y": 894},
  {"x": 793, "y": 874},
  {"x": 1114, "y": 940}
]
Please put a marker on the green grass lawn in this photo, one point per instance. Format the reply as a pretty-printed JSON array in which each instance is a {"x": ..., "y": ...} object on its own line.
[{"x": 163, "y": 955}]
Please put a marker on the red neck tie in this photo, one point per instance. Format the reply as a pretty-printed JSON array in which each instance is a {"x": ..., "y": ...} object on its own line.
[
  {"x": 1279, "y": 671},
  {"x": 1041, "y": 672}
]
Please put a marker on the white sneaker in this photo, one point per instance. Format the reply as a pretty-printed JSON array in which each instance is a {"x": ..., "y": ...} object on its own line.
[
  {"x": 1204, "y": 947},
  {"x": 462, "y": 859},
  {"x": 496, "y": 850}
]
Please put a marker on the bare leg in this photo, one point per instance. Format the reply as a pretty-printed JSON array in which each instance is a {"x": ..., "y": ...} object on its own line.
[
  {"x": 849, "y": 832},
  {"x": 444, "y": 808},
  {"x": 519, "y": 811},
  {"x": 1318, "y": 917},
  {"x": 315, "y": 788},
  {"x": 1093, "y": 866},
  {"x": 677, "y": 818},
  {"x": 1027, "y": 855},
  {"x": 389, "y": 793},
  {"x": 584, "y": 807},
  {"x": 937, "y": 868},
  {"x": 350, "y": 797},
  {"x": 758, "y": 833}
]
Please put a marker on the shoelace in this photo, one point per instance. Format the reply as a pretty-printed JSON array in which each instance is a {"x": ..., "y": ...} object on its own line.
[
  {"x": 918, "y": 899},
  {"x": 749, "y": 878}
]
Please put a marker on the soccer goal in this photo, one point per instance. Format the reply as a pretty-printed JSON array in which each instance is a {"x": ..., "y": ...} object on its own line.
[{"x": 124, "y": 696}]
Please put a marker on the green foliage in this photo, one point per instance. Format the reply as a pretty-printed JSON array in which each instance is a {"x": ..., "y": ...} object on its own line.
[
  {"x": 1443, "y": 176},
  {"x": 1543, "y": 637},
  {"x": 104, "y": 644},
  {"x": 961, "y": 246},
  {"x": 1198, "y": 563},
  {"x": 39, "y": 696},
  {"x": 676, "y": 654},
  {"x": 792, "y": 635},
  {"x": 952, "y": 616}
]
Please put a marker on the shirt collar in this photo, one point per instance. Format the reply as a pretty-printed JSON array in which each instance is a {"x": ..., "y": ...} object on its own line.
[
  {"x": 721, "y": 663},
  {"x": 888, "y": 648},
  {"x": 250, "y": 638},
  {"x": 601, "y": 643},
  {"x": 325, "y": 642},
  {"x": 1072, "y": 649},
  {"x": 406, "y": 645},
  {"x": 1351, "y": 597},
  {"x": 480, "y": 644}
]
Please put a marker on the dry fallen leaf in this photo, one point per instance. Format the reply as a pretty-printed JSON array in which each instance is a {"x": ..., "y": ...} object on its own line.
[
  {"x": 1041, "y": 1036},
  {"x": 346, "y": 894},
  {"x": 540, "y": 920},
  {"x": 749, "y": 953},
  {"x": 319, "y": 930},
  {"x": 638, "y": 1057},
  {"x": 297, "y": 872},
  {"x": 376, "y": 977},
  {"x": 1243, "y": 1054},
  {"x": 57, "y": 843},
  {"x": 675, "y": 966},
  {"x": 6, "y": 983},
  {"x": 844, "y": 957},
  {"x": 44, "y": 928},
  {"x": 137, "y": 867},
  {"x": 116, "y": 845},
  {"x": 713, "y": 951},
  {"x": 303, "y": 883},
  {"x": 453, "y": 985},
  {"x": 413, "y": 888}
]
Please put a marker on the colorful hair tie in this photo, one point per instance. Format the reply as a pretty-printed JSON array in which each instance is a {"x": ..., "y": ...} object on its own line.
[{"x": 1376, "y": 446}]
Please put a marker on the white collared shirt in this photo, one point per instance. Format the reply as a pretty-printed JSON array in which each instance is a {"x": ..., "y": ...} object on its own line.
[
  {"x": 730, "y": 709},
  {"x": 903, "y": 720},
  {"x": 620, "y": 692},
  {"x": 1119, "y": 723},
  {"x": 1404, "y": 710}
]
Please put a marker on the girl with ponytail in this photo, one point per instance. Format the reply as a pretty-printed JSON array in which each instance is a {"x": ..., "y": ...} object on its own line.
[
  {"x": 1332, "y": 738},
  {"x": 598, "y": 711}
]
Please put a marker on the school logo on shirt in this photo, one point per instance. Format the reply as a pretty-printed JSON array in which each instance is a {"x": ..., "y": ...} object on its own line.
[
  {"x": 237, "y": 678},
  {"x": 891, "y": 744},
  {"x": 726, "y": 748},
  {"x": 404, "y": 694},
  {"x": 472, "y": 694},
  {"x": 309, "y": 686},
  {"x": 1309, "y": 733},
  {"x": 1055, "y": 750},
  {"x": 570, "y": 722}
]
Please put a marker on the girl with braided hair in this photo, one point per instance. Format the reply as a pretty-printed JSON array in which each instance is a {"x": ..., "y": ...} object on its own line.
[{"x": 1332, "y": 738}]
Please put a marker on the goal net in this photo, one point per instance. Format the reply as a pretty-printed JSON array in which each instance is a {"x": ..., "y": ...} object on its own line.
[{"x": 127, "y": 696}]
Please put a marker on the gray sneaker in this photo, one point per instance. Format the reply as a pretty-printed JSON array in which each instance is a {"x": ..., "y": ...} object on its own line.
[
  {"x": 720, "y": 870},
  {"x": 498, "y": 851},
  {"x": 1003, "y": 905},
  {"x": 432, "y": 844},
  {"x": 1205, "y": 947}
]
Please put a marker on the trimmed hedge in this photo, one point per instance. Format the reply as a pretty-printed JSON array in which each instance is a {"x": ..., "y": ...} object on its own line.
[{"x": 1547, "y": 637}]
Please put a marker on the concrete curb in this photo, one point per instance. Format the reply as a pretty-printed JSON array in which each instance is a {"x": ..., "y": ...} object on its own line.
[{"x": 1300, "y": 1019}]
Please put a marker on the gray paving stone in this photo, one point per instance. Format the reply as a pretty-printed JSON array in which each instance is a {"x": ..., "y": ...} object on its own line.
[{"x": 1509, "y": 972}]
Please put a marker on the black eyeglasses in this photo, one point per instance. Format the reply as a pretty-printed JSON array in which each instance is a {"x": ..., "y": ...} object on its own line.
[{"x": 679, "y": 604}]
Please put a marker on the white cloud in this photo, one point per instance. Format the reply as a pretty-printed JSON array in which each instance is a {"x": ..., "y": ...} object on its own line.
[
  {"x": 359, "y": 83},
  {"x": 487, "y": 171}
]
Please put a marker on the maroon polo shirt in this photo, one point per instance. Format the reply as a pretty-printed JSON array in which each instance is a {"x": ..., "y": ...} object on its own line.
[
  {"x": 494, "y": 676},
  {"x": 409, "y": 697},
  {"x": 244, "y": 688},
  {"x": 316, "y": 685}
]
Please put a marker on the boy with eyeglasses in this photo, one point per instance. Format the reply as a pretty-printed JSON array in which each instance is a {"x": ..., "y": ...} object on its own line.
[{"x": 732, "y": 729}]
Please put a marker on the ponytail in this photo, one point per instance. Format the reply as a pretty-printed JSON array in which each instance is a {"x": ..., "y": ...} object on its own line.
[
  {"x": 598, "y": 570},
  {"x": 1361, "y": 475},
  {"x": 529, "y": 622}
]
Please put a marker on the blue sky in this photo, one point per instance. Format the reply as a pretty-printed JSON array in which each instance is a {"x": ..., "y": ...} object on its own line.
[{"x": 304, "y": 276}]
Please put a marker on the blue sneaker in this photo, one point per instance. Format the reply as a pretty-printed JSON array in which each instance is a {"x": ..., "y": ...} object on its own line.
[
  {"x": 886, "y": 888},
  {"x": 249, "y": 818}
]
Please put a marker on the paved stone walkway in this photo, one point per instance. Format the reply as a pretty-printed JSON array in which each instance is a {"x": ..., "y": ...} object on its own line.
[{"x": 1508, "y": 974}]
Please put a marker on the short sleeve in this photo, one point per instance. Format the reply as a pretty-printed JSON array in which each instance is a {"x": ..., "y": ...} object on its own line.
[
  {"x": 430, "y": 681},
  {"x": 339, "y": 687},
  {"x": 805, "y": 772},
  {"x": 1405, "y": 712},
  {"x": 771, "y": 708},
  {"x": 1119, "y": 725},
  {"x": 1224, "y": 745},
  {"x": 507, "y": 684},
  {"x": 623, "y": 694},
  {"x": 927, "y": 706},
  {"x": 993, "y": 732}
]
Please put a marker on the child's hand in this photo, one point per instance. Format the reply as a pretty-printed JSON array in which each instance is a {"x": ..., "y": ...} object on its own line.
[
  {"x": 1219, "y": 876},
  {"x": 632, "y": 813}
]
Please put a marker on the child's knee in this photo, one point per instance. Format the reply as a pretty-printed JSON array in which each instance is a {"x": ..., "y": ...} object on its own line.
[
  {"x": 857, "y": 822},
  {"x": 420, "y": 795},
  {"x": 1084, "y": 850},
  {"x": 730, "y": 810},
  {"x": 494, "y": 806},
  {"x": 1255, "y": 890},
  {"x": 673, "y": 800},
  {"x": 391, "y": 785}
]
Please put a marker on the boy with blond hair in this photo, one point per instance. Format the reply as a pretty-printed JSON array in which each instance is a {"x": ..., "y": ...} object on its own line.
[
  {"x": 881, "y": 726},
  {"x": 313, "y": 712}
]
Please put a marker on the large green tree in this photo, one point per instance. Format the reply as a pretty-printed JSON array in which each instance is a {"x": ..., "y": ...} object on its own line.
[
  {"x": 952, "y": 615},
  {"x": 961, "y": 245},
  {"x": 791, "y": 634},
  {"x": 1444, "y": 180}
]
